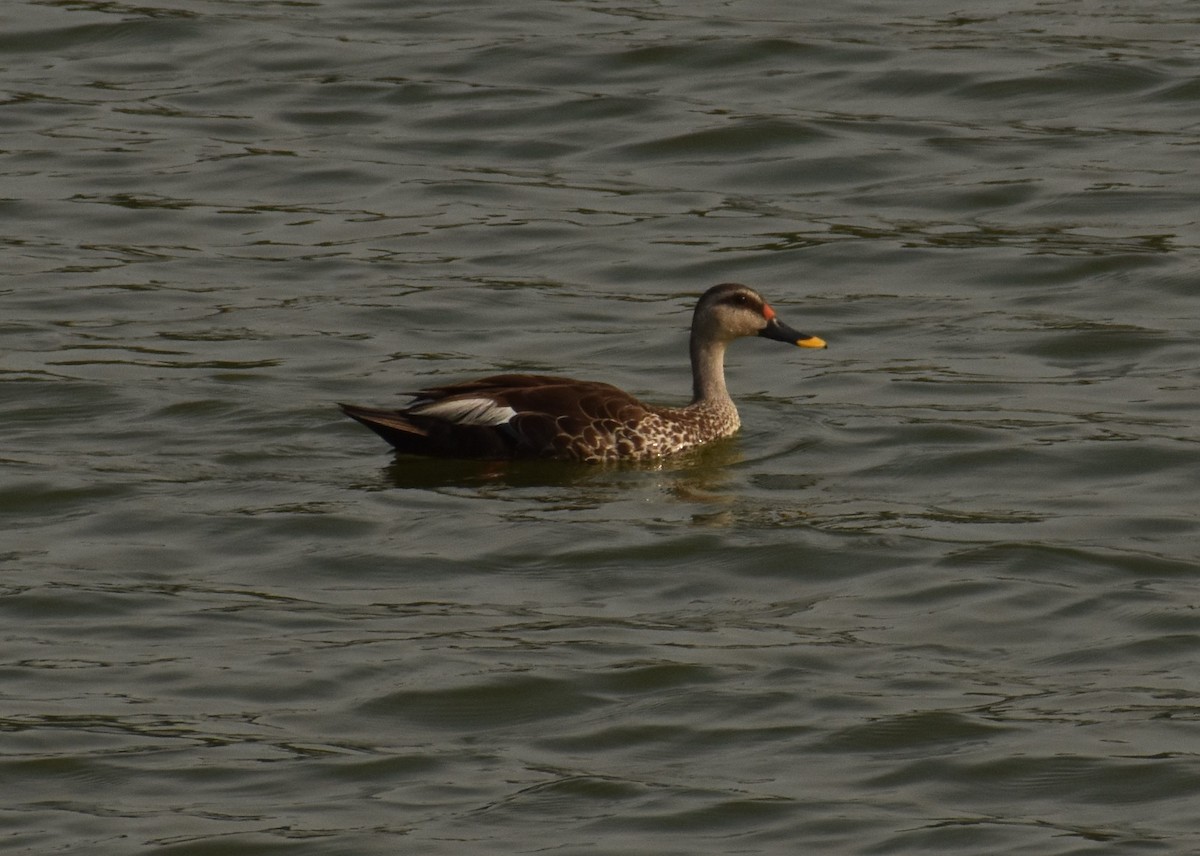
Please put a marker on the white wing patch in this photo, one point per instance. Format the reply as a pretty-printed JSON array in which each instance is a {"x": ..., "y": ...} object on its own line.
[{"x": 467, "y": 411}]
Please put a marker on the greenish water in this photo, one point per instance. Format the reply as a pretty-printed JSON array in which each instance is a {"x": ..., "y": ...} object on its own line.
[{"x": 939, "y": 595}]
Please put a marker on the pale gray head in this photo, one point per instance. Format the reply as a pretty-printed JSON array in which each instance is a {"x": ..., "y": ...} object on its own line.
[{"x": 731, "y": 310}]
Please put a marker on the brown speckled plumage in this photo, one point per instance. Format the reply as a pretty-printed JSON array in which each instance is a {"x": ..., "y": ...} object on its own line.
[{"x": 543, "y": 416}]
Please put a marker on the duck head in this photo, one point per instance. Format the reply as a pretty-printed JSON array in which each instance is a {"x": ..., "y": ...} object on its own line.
[{"x": 731, "y": 310}]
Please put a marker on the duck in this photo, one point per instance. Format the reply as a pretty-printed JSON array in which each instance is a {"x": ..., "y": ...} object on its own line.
[{"x": 521, "y": 416}]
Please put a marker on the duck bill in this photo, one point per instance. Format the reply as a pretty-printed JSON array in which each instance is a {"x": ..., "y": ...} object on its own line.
[{"x": 781, "y": 332}]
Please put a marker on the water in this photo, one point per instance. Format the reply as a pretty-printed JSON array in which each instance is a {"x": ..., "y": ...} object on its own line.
[{"x": 938, "y": 596}]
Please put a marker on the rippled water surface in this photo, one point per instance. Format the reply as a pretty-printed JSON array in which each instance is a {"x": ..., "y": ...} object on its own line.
[{"x": 939, "y": 596}]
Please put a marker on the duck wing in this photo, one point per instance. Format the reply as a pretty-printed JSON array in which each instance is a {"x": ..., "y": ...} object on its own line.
[{"x": 513, "y": 416}]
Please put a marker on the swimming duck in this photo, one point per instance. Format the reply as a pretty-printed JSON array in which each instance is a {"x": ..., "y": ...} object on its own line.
[{"x": 543, "y": 416}]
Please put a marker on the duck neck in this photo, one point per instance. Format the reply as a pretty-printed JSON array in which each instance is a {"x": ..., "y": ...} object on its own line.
[{"x": 708, "y": 371}]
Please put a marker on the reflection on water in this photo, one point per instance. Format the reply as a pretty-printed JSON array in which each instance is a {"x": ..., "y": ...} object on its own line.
[{"x": 702, "y": 468}]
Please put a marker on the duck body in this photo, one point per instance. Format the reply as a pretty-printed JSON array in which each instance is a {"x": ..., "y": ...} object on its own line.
[
  {"x": 543, "y": 416},
  {"x": 511, "y": 416}
]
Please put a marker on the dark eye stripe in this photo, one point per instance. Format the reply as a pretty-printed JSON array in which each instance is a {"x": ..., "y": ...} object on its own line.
[{"x": 741, "y": 300}]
